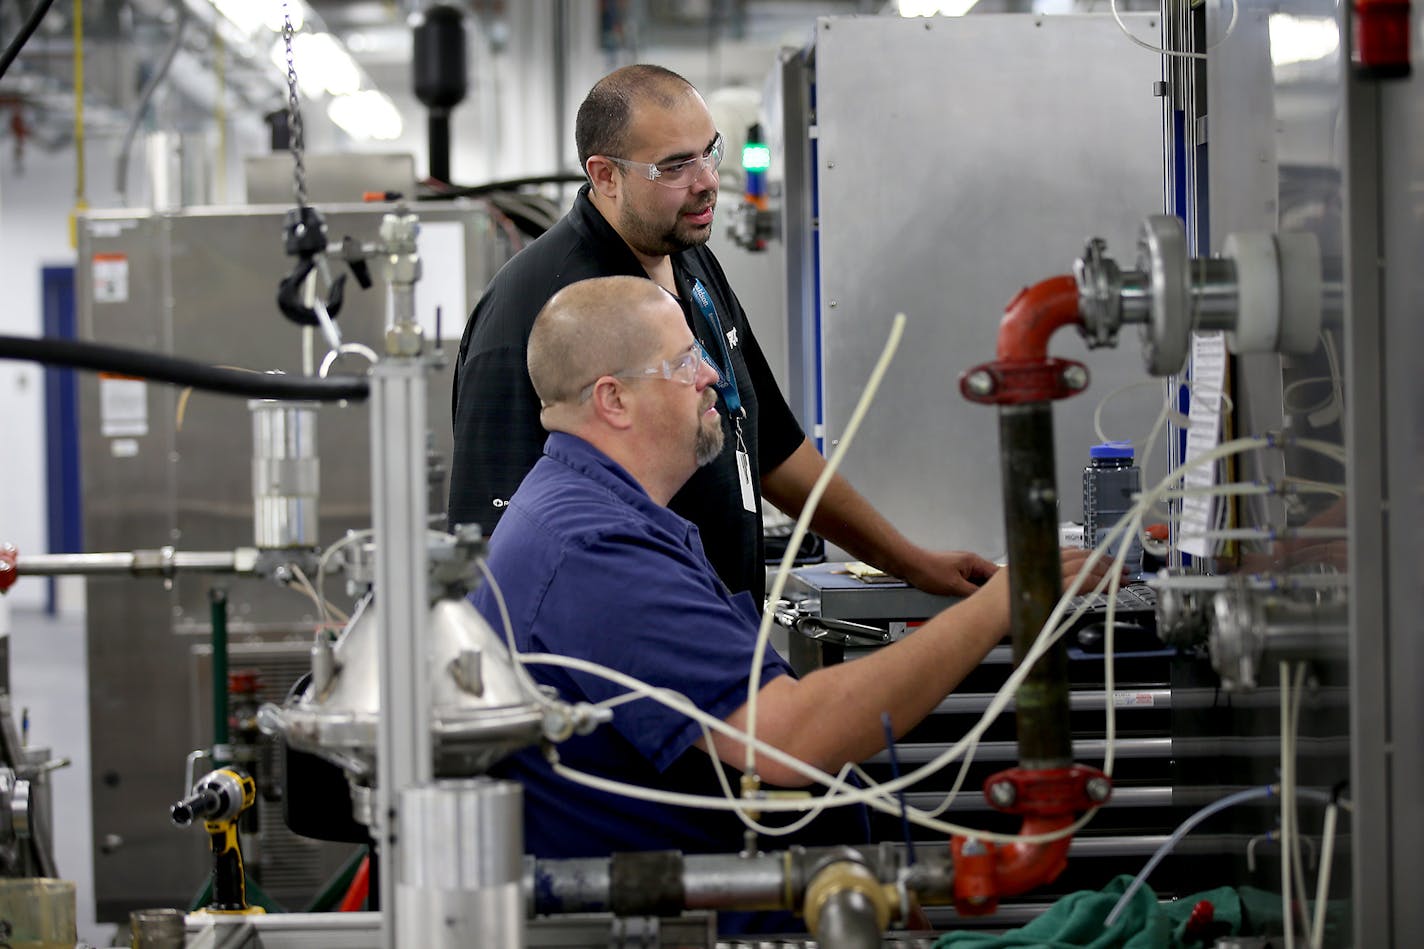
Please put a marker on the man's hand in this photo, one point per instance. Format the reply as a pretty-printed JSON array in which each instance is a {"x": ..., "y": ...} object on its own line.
[
  {"x": 949, "y": 572},
  {"x": 1073, "y": 560}
]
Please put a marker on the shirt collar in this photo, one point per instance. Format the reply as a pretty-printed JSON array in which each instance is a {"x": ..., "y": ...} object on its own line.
[
  {"x": 579, "y": 455},
  {"x": 608, "y": 245}
]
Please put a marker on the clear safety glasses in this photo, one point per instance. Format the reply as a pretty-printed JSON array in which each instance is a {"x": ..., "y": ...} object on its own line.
[
  {"x": 678, "y": 174},
  {"x": 682, "y": 368}
]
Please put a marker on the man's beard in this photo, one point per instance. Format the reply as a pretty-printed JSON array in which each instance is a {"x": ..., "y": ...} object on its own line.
[
  {"x": 649, "y": 238},
  {"x": 709, "y": 439}
]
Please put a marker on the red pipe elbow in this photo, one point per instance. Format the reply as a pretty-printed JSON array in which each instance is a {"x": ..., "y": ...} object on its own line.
[
  {"x": 1035, "y": 315},
  {"x": 1020, "y": 867},
  {"x": 991, "y": 871},
  {"x": 1023, "y": 371}
]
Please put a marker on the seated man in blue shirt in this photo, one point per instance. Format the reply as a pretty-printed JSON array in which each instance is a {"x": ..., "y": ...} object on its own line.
[{"x": 593, "y": 565}]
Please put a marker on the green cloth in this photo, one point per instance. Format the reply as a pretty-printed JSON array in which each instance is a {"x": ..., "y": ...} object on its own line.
[{"x": 1076, "y": 920}]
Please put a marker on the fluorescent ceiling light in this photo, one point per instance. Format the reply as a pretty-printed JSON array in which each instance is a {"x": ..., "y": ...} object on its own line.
[
  {"x": 322, "y": 64},
  {"x": 1299, "y": 39},
  {"x": 936, "y": 7},
  {"x": 367, "y": 114}
]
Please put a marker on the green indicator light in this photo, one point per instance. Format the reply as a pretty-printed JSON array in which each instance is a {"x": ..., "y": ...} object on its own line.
[{"x": 756, "y": 157}]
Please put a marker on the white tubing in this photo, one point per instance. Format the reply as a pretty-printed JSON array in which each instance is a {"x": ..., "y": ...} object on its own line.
[
  {"x": 1287, "y": 787},
  {"x": 1322, "y": 880},
  {"x": 872, "y": 385}
]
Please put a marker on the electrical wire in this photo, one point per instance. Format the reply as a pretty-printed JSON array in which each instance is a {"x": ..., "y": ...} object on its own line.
[
  {"x": 1102, "y": 403},
  {"x": 325, "y": 608},
  {"x": 1231, "y": 800},
  {"x": 121, "y": 167},
  {"x": 351, "y": 537},
  {"x": 447, "y": 191},
  {"x": 81, "y": 200},
  {"x": 518, "y": 663},
  {"x": 1230, "y": 28},
  {"x": 26, "y": 31}
]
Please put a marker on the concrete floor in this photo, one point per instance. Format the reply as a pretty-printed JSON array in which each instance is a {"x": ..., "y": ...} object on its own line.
[{"x": 49, "y": 677}]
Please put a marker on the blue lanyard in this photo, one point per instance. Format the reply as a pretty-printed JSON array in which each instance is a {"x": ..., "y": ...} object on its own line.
[{"x": 727, "y": 385}]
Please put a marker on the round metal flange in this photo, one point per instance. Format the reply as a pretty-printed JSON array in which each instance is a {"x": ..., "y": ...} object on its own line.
[
  {"x": 1099, "y": 286},
  {"x": 20, "y": 809},
  {"x": 1162, "y": 255}
]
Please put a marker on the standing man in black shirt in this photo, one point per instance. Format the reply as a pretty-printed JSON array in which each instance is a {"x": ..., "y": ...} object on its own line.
[{"x": 651, "y": 151}]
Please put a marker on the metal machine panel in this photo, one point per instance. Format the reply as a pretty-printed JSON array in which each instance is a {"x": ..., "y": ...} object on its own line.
[
  {"x": 330, "y": 178},
  {"x": 161, "y": 467},
  {"x": 1401, "y": 214},
  {"x": 942, "y": 199},
  {"x": 1277, "y": 141}
]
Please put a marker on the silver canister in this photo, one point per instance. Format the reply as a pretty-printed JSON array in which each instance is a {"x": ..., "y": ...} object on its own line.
[
  {"x": 286, "y": 474},
  {"x": 461, "y": 861}
]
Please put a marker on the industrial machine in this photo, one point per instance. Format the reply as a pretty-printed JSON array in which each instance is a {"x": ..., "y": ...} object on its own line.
[{"x": 1285, "y": 607}]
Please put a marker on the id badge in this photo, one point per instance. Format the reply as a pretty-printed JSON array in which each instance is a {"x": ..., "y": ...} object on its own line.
[
  {"x": 744, "y": 475},
  {"x": 744, "y": 472}
]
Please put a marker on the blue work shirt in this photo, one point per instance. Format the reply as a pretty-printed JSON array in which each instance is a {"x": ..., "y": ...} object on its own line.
[{"x": 592, "y": 567}]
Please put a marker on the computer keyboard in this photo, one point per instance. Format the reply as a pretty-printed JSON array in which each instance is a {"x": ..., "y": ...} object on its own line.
[{"x": 1131, "y": 598}]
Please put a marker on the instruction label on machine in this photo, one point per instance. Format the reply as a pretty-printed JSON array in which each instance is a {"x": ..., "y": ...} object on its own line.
[
  {"x": 123, "y": 406},
  {"x": 111, "y": 278},
  {"x": 1203, "y": 434}
]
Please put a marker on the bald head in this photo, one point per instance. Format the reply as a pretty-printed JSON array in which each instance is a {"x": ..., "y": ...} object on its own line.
[
  {"x": 590, "y": 329},
  {"x": 606, "y": 115}
]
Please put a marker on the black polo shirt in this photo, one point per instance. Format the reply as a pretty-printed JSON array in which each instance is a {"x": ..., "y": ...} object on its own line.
[{"x": 497, "y": 432}]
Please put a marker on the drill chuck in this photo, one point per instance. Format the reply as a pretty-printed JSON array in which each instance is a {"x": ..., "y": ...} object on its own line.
[
  {"x": 196, "y": 806},
  {"x": 218, "y": 796}
]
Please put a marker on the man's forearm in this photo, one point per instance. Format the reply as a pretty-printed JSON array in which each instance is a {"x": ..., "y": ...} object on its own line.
[{"x": 832, "y": 716}]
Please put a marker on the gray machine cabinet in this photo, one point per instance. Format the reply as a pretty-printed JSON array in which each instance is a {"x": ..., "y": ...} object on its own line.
[
  {"x": 960, "y": 159},
  {"x": 202, "y": 284}
]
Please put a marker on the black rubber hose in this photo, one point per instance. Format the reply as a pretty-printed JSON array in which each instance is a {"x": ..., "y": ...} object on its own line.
[
  {"x": 474, "y": 191},
  {"x": 78, "y": 354},
  {"x": 26, "y": 31}
]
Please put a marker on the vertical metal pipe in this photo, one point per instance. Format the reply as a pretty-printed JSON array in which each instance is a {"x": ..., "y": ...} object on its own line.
[
  {"x": 1035, "y": 578},
  {"x": 217, "y": 601},
  {"x": 560, "y": 43},
  {"x": 405, "y": 756},
  {"x": 438, "y": 138}
]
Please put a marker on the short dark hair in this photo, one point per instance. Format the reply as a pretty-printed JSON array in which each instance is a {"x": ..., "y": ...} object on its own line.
[{"x": 601, "y": 127}]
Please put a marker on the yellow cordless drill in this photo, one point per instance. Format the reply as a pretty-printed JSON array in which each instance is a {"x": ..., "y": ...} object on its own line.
[{"x": 219, "y": 798}]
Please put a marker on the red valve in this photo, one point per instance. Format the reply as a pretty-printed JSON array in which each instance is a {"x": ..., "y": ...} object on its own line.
[
  {"x": 1381, "y": 39},
  {"x": 1199, "y": 922},
  {"x": 9, "y": 572}
]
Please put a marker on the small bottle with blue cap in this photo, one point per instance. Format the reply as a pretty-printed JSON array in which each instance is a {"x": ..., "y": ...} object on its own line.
[{"x": 1110, "y": 483}]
